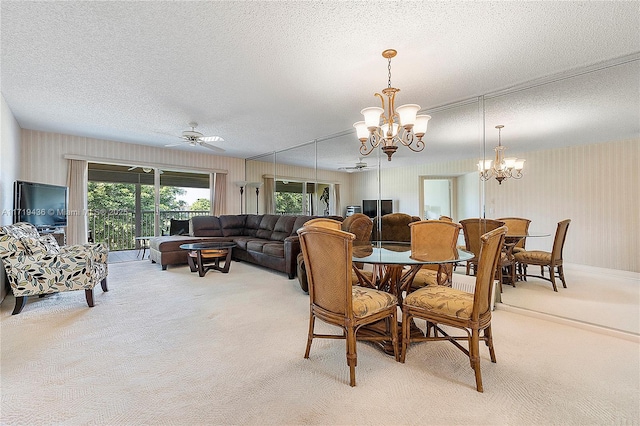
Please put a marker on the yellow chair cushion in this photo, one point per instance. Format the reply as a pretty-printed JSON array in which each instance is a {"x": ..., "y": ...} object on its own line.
[
  {"x": 534, "y": 256},
  {"x": 367, "y": 301},
  {"x": 442, "y": 300},
  {"x": 426, "y": 277}
]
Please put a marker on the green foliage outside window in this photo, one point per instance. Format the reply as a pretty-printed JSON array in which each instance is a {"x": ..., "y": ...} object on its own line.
[
  {"x": 288, "y": 203},
  {"x": 112, "y": 211},
  {"x": 201, "y": 204}
]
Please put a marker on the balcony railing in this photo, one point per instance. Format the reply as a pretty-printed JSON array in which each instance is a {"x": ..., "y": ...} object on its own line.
[{"x": 118, "y": 228}]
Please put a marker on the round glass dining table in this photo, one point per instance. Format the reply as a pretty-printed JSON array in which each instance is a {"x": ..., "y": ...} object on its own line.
[
  {"x": 395, "y": 264},
  {"x": 394, "y": 268}
]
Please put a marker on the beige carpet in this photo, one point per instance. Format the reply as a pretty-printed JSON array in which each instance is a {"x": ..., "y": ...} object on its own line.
[
  {"x": 593, "y": 295},
  {"x": 168, "y": 347}
]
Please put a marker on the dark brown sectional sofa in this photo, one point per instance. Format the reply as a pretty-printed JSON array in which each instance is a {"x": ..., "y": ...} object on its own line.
[{"x": 267, "y": 240}]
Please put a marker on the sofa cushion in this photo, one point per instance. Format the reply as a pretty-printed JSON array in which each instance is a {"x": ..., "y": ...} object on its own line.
[
  {"x": 283, "y": 228},
  {"x": 232, "y": 224},
  {"x": 273, "y": 249},
  {"x": 252, "y": 224},
  {"x": 267, "y": 224},
  {"x": 241, "y": 241},
  {"x": 256, "y": 245},
  {"x": 300, "y": 221},
  {"x": 206, "y": 226}
]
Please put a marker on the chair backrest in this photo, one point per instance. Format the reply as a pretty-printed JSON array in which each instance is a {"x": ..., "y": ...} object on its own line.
[
  {"x": 395, "y": 227},
  {"x": 474, "y": 228},
  {"x": 516, "y": 226},
  {"x": 558, "y": 241},
  {"x": 327, "y": 257},
  {"x": 324, "y": 223},
  {"x": 20, "y": 230},
  {"x": 360, "y": 225},
  {"x": 447, "y": 218},
  {"x": 434, "y": 239},
  {"x": 490, "y": 247},
  {"x": 179, "y": 227}
]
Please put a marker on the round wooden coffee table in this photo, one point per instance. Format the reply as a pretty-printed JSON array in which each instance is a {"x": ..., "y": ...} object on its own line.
[{"x": 199, "y": 254}]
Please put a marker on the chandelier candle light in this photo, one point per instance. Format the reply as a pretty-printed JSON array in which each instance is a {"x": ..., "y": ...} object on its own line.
[
  {"x": 397, "y": 125},
  {"x": 502, "y": 168}
]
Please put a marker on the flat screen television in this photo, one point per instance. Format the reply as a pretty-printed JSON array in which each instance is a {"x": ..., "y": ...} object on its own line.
[
  {"x": 370, "y": 207},
  {"x": 42, "y": 205}
]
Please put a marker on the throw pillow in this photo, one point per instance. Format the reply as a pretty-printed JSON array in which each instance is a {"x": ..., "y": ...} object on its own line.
[
  {"x": 33, "y": 246},
  {"x": 50, "y": 244}
]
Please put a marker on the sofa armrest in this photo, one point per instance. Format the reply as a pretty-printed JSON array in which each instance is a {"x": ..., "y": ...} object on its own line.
[{"x": 291, "y": 250}]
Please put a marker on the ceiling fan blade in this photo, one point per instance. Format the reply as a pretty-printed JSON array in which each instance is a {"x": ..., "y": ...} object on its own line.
[
  {"x": 132, "y": 168},
  {"x": 211, "y": 139},
  {"x": 211, "y": 147},
  {"x": 175, "y": 144}
]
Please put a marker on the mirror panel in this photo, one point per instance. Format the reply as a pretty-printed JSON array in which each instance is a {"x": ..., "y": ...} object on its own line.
[
  {"x": 580, "y": 165},
  {"x": 559, "y": 181}
]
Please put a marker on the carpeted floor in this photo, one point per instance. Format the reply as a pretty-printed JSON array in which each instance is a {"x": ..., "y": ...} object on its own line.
[
  {"x": 168, "y": 347},
  {"x": 593, "y": 295}
]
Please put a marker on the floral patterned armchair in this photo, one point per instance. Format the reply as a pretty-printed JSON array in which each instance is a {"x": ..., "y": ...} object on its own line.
[{"x": 37, "y": 265}]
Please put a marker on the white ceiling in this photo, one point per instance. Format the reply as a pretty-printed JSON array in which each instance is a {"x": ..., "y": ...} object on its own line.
[{"x": 271, "y": 75}]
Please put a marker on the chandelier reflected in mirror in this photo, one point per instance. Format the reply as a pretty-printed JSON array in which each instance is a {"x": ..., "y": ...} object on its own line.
[
  {"x": 501, "y": 168},
  {"x": 396, "y": 126}
]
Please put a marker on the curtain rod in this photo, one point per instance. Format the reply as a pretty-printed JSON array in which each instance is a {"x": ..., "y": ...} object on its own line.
[{"x": 116, "y": 162}]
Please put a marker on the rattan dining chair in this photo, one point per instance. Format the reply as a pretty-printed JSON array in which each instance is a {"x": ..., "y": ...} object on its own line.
[
  {"x": 473, "y": 229},
  {"x": 334, "y": 300},
  {"x": 516, "y": 226},
  {"x": 552, "y": 260},
  {"x": 440, "y": 305},
  {"x": 435, "y": 239}
]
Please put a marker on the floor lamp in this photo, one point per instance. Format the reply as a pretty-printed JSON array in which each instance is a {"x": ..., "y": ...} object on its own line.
[
  {"x": 241, "y": 184},
  {"x": 256, "y": 185}
]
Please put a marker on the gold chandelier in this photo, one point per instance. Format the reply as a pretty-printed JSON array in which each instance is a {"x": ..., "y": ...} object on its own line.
[
  {"x": 502, "y": 168},
  {"x": 398, "y": 125}
]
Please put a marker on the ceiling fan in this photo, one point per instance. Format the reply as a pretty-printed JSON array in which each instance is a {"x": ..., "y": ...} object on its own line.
[
  {"x": 359, "y": 166},
  {"x": 195, "y": 138},
  {"x": 144, "y": 169}
]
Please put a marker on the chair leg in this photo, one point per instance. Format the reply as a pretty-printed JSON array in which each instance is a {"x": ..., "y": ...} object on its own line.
[
  {"x": 392, "y": 322},
  {"x": 553, "y": 278},
  {"x": 312, "y": 320},
  {"x": 488, "y": 335},
  {"x": 103, "y": 284},
  {"x": 352, "y": 357},
  {"x": 88, "y": 294},
  {"x": 561, "y": 273},
  {"x": 20, "y": 302},
  {"x": 406, "y": 325},
  {"x": 474, "y": 356}
]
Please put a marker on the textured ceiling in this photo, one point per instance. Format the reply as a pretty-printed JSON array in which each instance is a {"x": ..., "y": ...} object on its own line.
[{"x": 271, "y": 75}]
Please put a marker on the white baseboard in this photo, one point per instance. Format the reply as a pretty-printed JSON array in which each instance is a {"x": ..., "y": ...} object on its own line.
[{"x": 573, "y": 323}]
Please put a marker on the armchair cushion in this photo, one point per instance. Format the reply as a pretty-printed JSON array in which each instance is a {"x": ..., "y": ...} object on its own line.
[{"x": 33, "y": 246}]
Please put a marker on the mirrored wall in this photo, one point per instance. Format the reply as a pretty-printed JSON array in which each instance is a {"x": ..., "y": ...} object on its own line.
[{"x": 578, "y": 133}]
